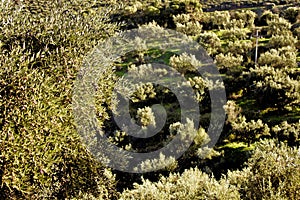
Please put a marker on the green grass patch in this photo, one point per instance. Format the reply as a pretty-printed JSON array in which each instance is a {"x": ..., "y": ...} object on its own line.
[
  {"x": 246, "y": 103},
  {"x": 275, "y": 118},
  {"x": 240, "y": 146}
]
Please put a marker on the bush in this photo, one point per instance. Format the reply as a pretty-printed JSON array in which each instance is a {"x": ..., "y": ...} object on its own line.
[
  {"x": 234, "y": 34},
  {"x": 247, "y": 16},
  {"x": 279, "y": 41},
  {"x": 185, "y": 24},
  {"x": 273, "y": 172},
  {"x": 219, "y": 19},
  {"x": 279, "y": 58},
  {"x": 145, "y": 117},
  {"x": 292, "y": 14},
  {"x": 278, "y": 26},
  {"x": 275, "y": 87},
  {"x": 287, "y": 132},
  {"x": 243, "y": 130},
  {"x": 185, "y": 63},
  {"x": 228, "y": 61},
  {"x": 210, "y": 41},
  {"x": 192, "y": 184},
  {"x": 239, "y": 47},
  {"x": 267, "y": 16},
  {"x": 42, "y": 48}
]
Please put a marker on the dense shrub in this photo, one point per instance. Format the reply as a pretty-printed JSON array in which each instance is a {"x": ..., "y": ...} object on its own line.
[
  {"x": 228, "y": 61},
  {"x": 275, "y": 87},
  {"x": 185, "y": 63},
  {"x": 273, "y": 173},
  {"x": 242, "y": 130},
  {"x": 246, "y": 16},
  {"x": 292, "y": 14},
  {"x": 266, "y": 16},
  {"x": 219, "y": 19},
  {"x": 210, "y": 41},
  {"x": 192, "y": 184},
  {"x": 279, "y": 58},
  {"x": 239, "y": 48},
  {"x": 135, "y": 13},
  {"x": 278, "y": 26},
  {"x": 199, "y": 85},
  {"x": 234, "y": 34},
  {"x": 185, "y": 25},
  {"x": 42, "y": 48},
  {"x": 278, "y": 41},
  {"x": 287, "y": 132}
]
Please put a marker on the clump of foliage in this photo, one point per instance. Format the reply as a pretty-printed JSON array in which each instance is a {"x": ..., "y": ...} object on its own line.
[
  {"x": 278, "y": 26},
  {"x": 281, "y": 58},
  {"x": 228, "y": 61},
  {"x": 272, "y": 173},
  {"x": 192, "y": 184},
  {"x": 146, "y": 116},
  {"x": 239, "y": 47},
  {"x": 275, "y": 87},
  {"x": 287, "y": 132},
  {"x": 185, "y": 25},
  {"x": 135, "y": 12},
  {"x": 278, "y": 41},
  {"x": 240, "y": 128},
  {"x": 210, "y": 41},
  {"x": 184, "y": 63},
  {"x": 42, "y": 46},
  {"x": 292, "y": 14}
]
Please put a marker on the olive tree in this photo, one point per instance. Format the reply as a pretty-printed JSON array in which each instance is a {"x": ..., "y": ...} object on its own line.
[
  {"x": 228, "y": 61},
  {"x": 292, "y": 14},
  {"x": 281, "y": 58},
  {"x": 283, "y": 40},
  {"x": 185, "y": 24},
  {"x": 220, "y": 18},
  {"x": 210, "y": 41},
  {"x": 247, "y": 131},
  {"x": 278, "y": 26},
  {"x": 239, "y": 47},
  {"x": 275, "y": 87},
  {"x": 272, "y": 172}
]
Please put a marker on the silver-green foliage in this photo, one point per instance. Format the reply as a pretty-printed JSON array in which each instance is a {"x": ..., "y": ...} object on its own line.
[
  {"x": 185, "y": 63},
  {"x": 278, "y": 26},
  {"x": 200, "y": 139},
  {"x": 278, "y": 41},
  {"x": 273, "y": 172},
  {"x": 287, "y": 131},
  {"x": 42, "y": 46},
  {"x": 210, "y": 41},
  {"x": 228, "y": 61},
  {"x": 192, "y": 184},
  {"x": 248, "y": 131},
  {"x": 220, "y": 18},
  {"x": 234, "y": 34},
  {"x": 279, "y": 58},
  {"x": 275, "y": 86},
  {"x": 185, "y": 25},
  {"x": 239, "y": 47},
  {"x": 199, "y": 85},
  {"x": 146, "y": 116},
  {"x": 247, "y": 16}
]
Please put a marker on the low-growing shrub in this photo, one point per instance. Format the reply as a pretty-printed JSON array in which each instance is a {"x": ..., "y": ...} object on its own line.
[
  {"x": 192, "y": 184},
  {"x": 272, "y": 172}
]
